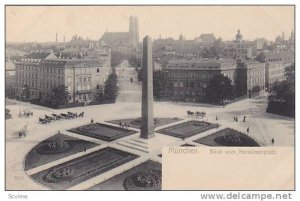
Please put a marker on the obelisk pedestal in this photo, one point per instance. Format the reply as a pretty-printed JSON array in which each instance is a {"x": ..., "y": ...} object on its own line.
[{"x": 147, "y": 123}]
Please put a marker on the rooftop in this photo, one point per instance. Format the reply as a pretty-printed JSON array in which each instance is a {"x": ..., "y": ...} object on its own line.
[
  {"x": 202, "y": 64},
  {"x": 60, "y": 63}
]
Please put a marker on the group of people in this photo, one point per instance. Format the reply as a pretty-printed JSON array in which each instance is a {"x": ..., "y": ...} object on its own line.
[
  {"x": 236, "y": 119},
  {"x": 123, "y": 125}
]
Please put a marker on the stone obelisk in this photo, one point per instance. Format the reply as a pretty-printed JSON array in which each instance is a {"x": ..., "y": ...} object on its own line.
[{"x": 147, "y": 124}]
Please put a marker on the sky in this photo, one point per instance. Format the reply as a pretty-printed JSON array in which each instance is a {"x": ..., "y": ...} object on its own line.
[{"x": 41, "y": 23}]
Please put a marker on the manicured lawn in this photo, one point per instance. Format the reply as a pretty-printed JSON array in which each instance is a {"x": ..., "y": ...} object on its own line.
[
  {"x": 117, "y": 182},
  {"x": 187, "y": 129},
  {"x": 102, "y": 131},
  {"x": 73, "y": 172},
  {"x": 228, "y": 137},
  {"x": 34, "y": 158}
]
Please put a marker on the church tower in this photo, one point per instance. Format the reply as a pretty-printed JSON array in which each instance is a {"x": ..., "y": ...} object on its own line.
[
  {"x": 238, "y": 37},
  {"x": 134, "y": 30}
]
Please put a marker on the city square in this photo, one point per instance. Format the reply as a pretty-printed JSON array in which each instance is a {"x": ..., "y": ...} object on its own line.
[
  {"x": 95, "y": 115},
  {"x": 257, "y": 119}
]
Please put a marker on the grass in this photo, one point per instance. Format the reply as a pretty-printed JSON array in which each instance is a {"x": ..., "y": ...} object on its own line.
[
  {"x": 116, "y": 182},
  {"x": 34, "y": 159},
  {"x": 187, "y": 129},
  {"x": 102, "y": 131},
  {"x": 84, "y": 168},
  {"x": 219, "y": 139}
]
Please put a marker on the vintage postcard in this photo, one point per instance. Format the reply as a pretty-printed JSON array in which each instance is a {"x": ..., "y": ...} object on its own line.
[{"x": 182, "y": 97}]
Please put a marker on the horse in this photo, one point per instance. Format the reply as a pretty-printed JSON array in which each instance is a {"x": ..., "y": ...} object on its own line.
[{"x": 190, "y": 113}]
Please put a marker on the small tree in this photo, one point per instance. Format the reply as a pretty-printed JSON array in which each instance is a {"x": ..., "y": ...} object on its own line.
[
  {"x": 255, "y": 89},
  {"x": 58, "y": 96},
  {"x": 116, "y": 58},
  {"x": 111, "y": 87},
  {"x": 159, "y": 84},
  {"x": 134, "y": 61},
  {"x": 219, "y": 89}
]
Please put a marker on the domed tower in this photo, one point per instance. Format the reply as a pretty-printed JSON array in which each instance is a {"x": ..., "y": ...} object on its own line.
[{"x": 239, "y": 36}]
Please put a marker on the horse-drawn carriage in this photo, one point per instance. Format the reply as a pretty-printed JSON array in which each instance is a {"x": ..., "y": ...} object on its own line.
[
  {"x": 27, "y": 113},
  {"x": 196, "y": 114},
  {"x": 55, "y": 117}
]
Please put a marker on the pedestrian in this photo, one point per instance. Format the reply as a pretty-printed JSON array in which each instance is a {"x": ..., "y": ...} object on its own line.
[
  {"x": 92, "y": 120},
  {"x": 84, "y": 148},
  {"x": 248, "y": 129},
  {"x": 234, "y": 118},
  {"x": 273, "y": 141},
  {"x": 244, "y": 118},
  {"x": 216, "y": 118},
  {"x": 120, "y": 123},
  {"x": 237, "y": 119}
]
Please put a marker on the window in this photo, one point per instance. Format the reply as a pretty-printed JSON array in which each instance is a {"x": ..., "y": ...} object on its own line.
[
  {"x": 192, "y": 84},
  {"x": 79, "y": 87},
  {"x": 98, "y": 86},
  {"x": 80, "y": 80},
  {"x": 84, "y": 79},
  {"x": 88, "y": 87},
  {"x": 98, "y": 70},
  {"x": 89, "y": 79}
]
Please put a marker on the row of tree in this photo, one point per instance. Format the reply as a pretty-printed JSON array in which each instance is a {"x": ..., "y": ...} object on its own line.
[{"x": 281, "y": 99}]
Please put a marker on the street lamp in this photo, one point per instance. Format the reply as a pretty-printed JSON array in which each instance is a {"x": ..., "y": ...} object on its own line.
[{"x": 21, "y": 101}]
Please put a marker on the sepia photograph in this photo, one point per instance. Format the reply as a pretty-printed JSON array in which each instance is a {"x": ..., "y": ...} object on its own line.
[{"x": 149, "y": 97}]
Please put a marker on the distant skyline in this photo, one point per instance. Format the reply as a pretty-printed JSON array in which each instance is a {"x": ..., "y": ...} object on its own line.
[{"x": 41, "y": 23}]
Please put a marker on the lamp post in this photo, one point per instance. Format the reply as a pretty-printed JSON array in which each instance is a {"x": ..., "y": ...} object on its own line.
[{"x": 23, "y": 88}]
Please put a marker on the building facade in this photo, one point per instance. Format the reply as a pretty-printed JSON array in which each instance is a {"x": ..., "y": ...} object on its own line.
[
  {"x": 83, "y": 78},
  {"x": 251, "y": 80},
  {"x": 187, "y": 79},
  {"x": 26, "y": 75},
  {"x": 275, "y": 64},
  {"x": 239, "y": 49}
]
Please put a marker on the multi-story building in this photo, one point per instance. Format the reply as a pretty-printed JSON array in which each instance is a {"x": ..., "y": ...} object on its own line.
[
  {"x": 26, "y": 74},
  {"x": 83, "y": 77},
  {"x": 275, "y": 64},
  {"x": 206, "y": 39},
  {"x": 239, "y": 49},
  {"x": 251, "y": 74},
  {"x": 187, "y": 79},
  {"x": 10, "y": 77}
]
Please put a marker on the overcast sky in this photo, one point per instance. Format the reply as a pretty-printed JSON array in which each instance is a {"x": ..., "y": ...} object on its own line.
[{"x": 41, "y": 23}]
